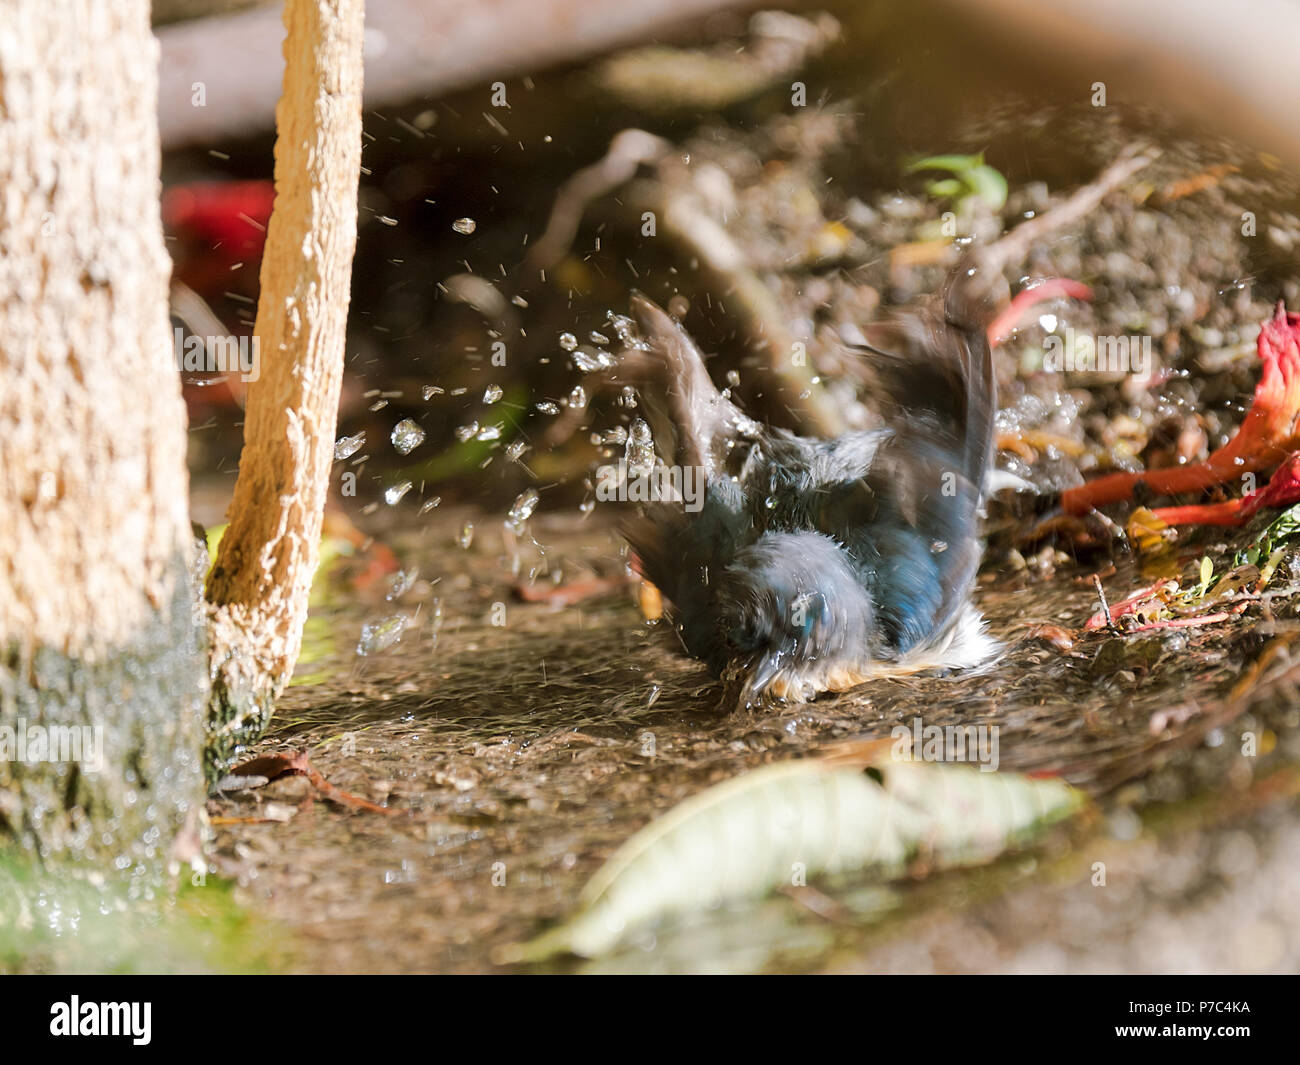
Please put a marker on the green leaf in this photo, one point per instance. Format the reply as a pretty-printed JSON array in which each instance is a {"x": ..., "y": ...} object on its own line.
[
  {"x": 989, "y": 185},
  {"x": 945, "y": 187},
  {"x": 955, "y": 164},
  {"x": 1207, "y": 575},
  {"x": 1283, "y": 529},
  {"x": 746, "y": 837}
]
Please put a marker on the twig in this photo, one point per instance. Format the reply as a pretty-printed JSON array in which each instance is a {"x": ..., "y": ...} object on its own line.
[
  {"x": 1014, "y": 246},
  {"x": 627, "y": 151},
  {"x": 1105, "y": 607}
]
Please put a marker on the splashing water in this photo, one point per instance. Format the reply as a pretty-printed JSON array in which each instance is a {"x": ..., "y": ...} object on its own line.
[
  {"x": 400, "y": 582},
  {"x": 522, "y": 510},
  {"x": 640, "y": 450},
  {"x": 625, "y": 329},
  {"x": 407, "y": 436},
  {"x": 380, "y": 635},
  {"x": 347, "y": 446}
]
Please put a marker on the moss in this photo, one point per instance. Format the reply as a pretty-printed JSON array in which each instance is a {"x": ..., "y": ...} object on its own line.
[
  {"x": 59, "y": 919},
  {"x": 238, "y": 713},
  {"x": 127, "y": 772}
]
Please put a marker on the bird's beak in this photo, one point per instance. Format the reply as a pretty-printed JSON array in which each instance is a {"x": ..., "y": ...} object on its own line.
[{"x": 746, "y": 680}]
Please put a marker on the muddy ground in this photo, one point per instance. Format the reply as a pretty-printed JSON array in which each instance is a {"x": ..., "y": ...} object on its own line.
[
  {"x": 515, "y": 759},
  {"x": 517, "y": 744}
]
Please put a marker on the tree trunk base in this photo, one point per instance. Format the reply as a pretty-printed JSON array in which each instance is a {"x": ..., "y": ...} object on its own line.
[{"x": 99, "y": 759}]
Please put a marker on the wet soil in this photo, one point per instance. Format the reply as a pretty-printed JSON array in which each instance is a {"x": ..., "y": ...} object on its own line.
[{"x": 517, "y": 757}]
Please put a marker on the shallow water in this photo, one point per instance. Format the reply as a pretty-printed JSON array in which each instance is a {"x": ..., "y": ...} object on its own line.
[{"x": 521, "y": 756}]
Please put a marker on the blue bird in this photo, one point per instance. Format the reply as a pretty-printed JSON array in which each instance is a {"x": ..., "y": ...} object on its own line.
[{"x": 815, "y": 565}]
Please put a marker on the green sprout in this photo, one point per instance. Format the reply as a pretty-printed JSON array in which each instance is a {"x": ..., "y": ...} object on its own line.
[{"x": 972, "y": 180}]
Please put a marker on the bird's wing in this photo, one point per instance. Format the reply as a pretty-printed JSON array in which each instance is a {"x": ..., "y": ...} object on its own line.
[{"x": 693, "y": 424}]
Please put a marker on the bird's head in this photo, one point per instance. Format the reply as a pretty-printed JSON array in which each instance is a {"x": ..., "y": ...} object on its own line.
[{"x": 789, "y": 610}]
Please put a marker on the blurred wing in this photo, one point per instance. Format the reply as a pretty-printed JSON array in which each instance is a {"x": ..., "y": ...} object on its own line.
[{"x": 692, "y": 422}]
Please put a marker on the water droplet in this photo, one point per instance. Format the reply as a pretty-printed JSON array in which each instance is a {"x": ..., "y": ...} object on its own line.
[
  {"x": 640, "y": 450},
  {"x": 400, "y": 582},
  {"x": 515, "y": 451},
  {"x": 347, "y": 446},
  {"x": 492, "y": 393},
  {"x": 465, "y": 432},
  {"x": 617, "y": 435},
  {"x": 568, "y": 341},
  {"x": 466, "y": 536},
  {"x": 464, "y": 225},
  {"x": 586, "y": 362},
  {"x": 624, "y": 328},
  {"x": 598, "y": 338},
  {"x": 393, "y": 495},
  {"x": 547, "y": 407},
  {"x": 578, "y": 397},
  {"x": 429, "y": 391},
  {"x": 490, "y": 432},
  {"x": 522, "y": 510},
  {"x": 407, "y": 436},
  {"x": 380, "y": 635},
  {"x": 429, "y": 504}
]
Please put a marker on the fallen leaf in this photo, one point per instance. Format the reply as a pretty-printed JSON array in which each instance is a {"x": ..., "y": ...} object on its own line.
[{"x": 751, "y": 835}]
